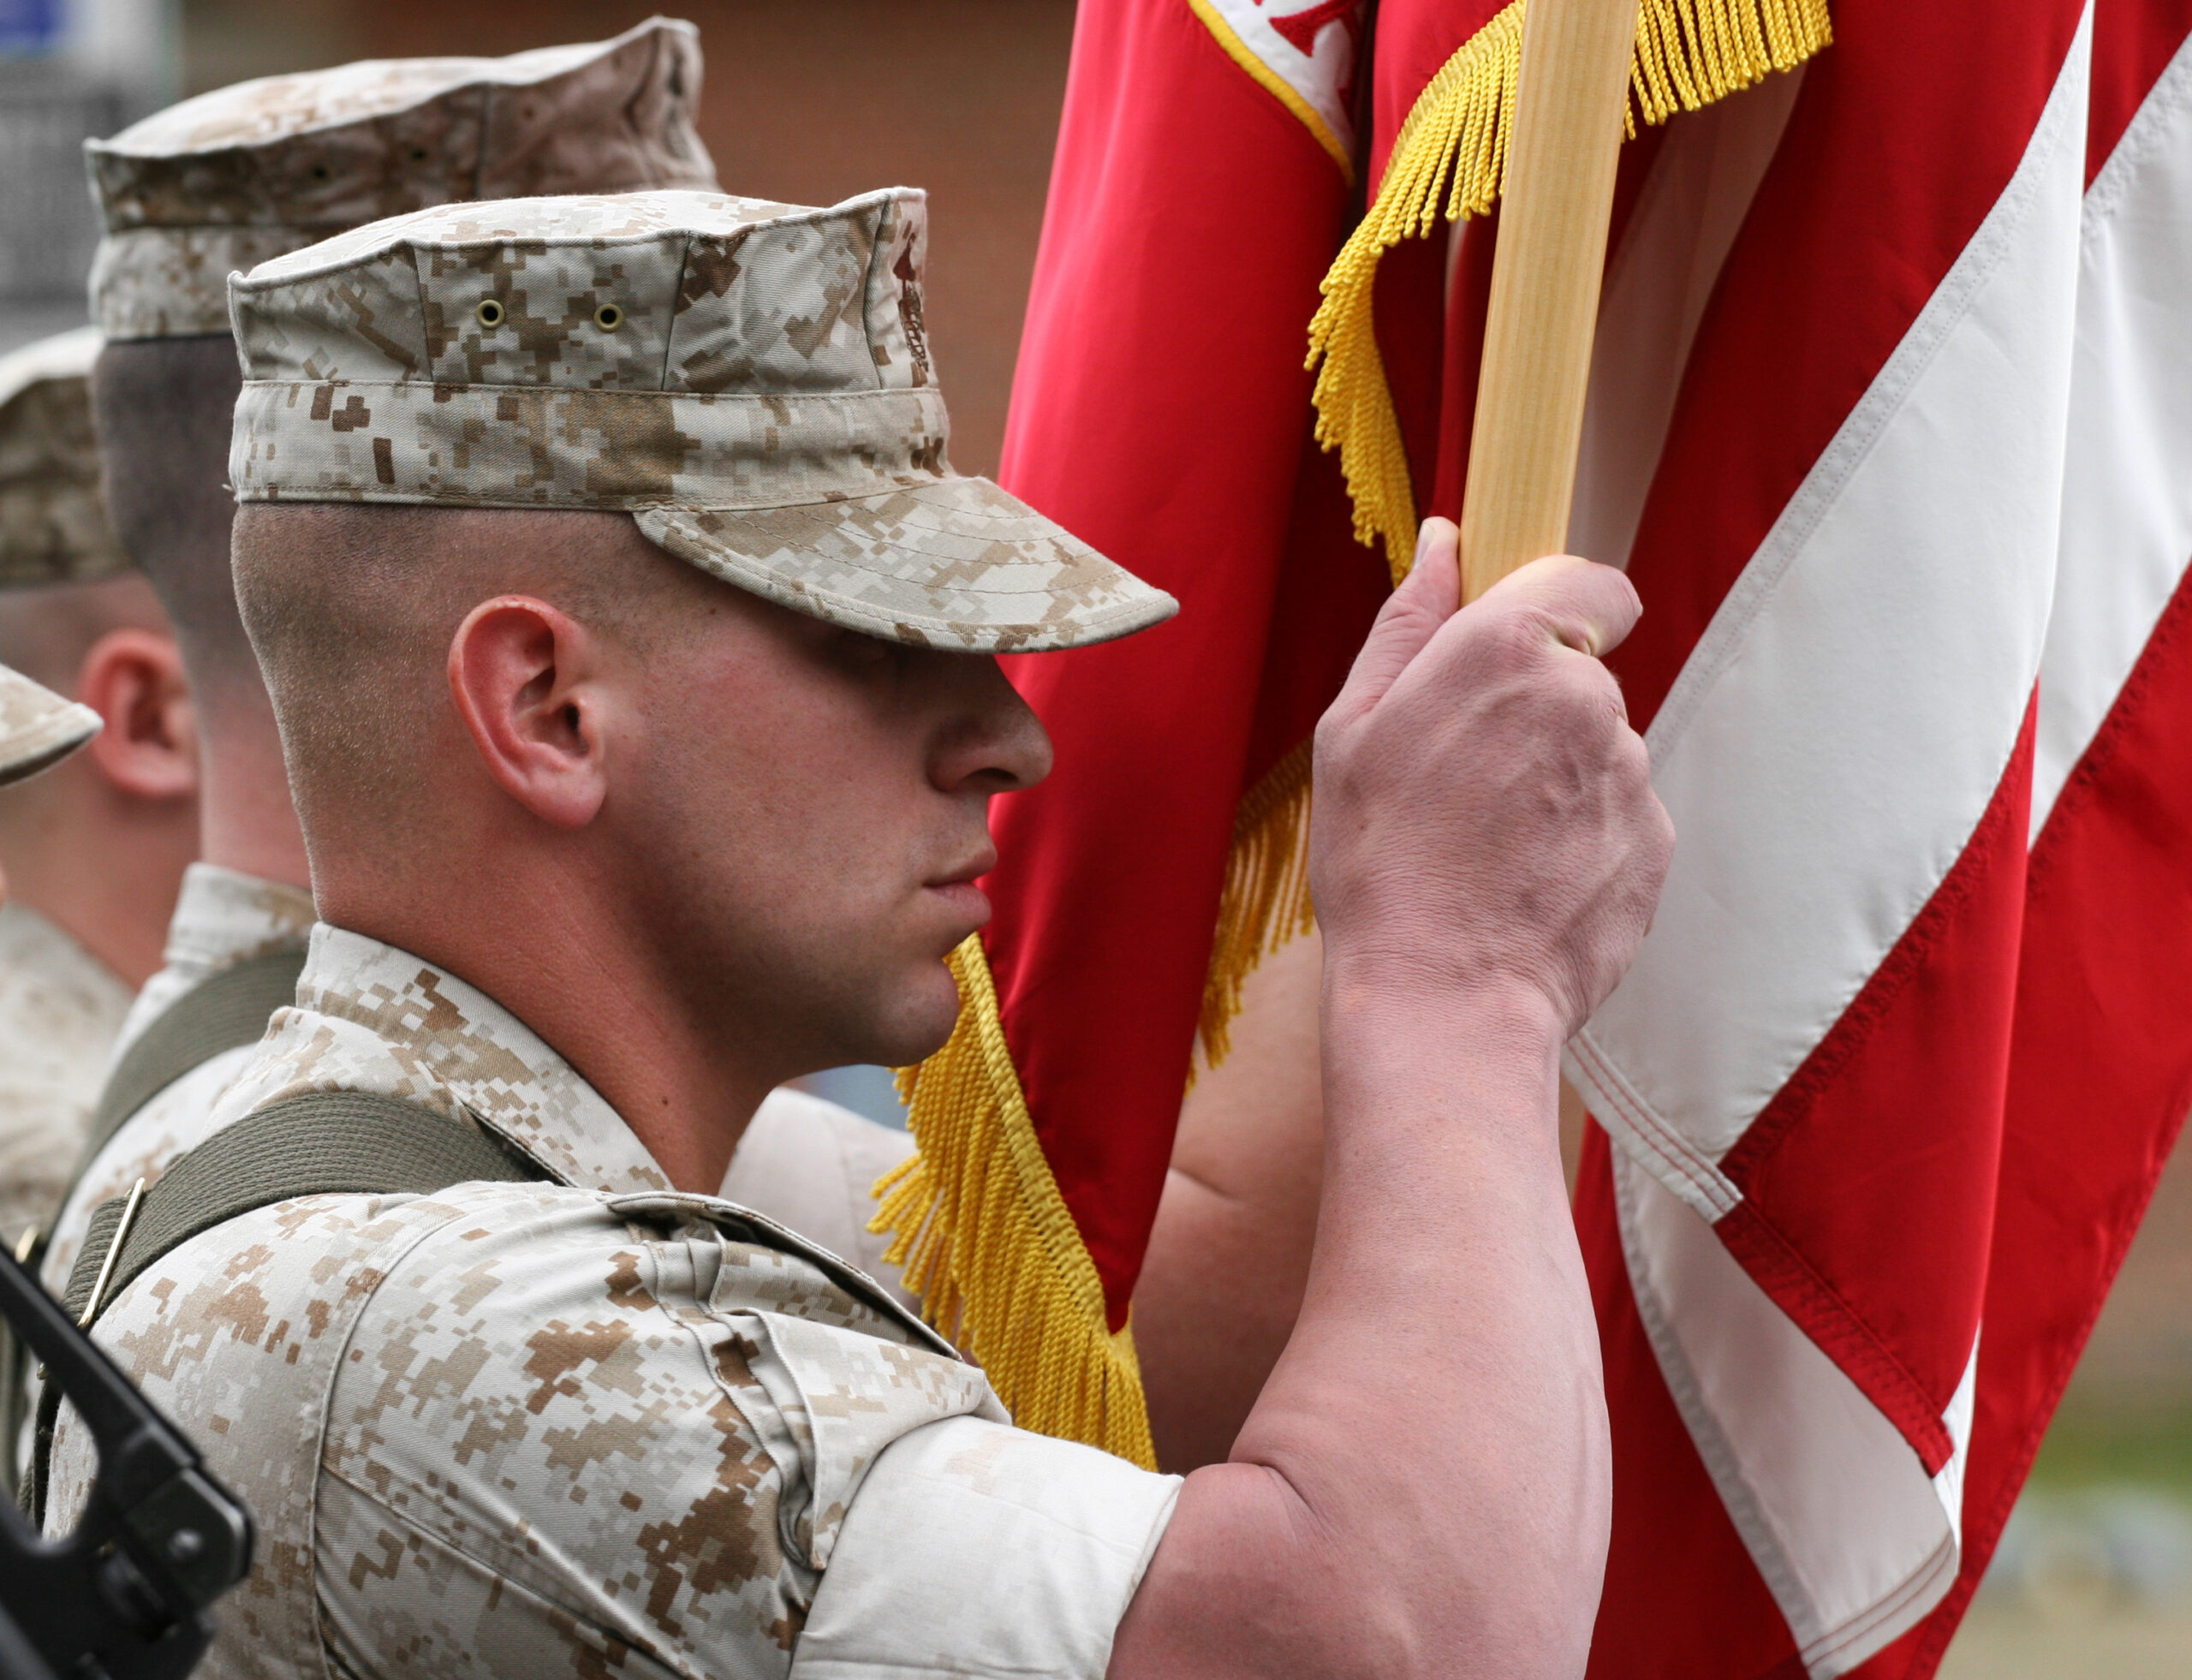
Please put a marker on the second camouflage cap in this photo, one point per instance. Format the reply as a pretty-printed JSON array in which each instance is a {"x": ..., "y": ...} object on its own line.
[
  {"x": 244, "y": 173},
  {"x": 751, "y": 381},
  {"x": 53, "y": 522}
]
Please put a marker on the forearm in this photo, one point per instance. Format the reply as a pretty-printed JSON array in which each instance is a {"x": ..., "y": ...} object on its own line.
[
  {"x": 1423, "y": 1486},
  {"x": 1228, "y": 1257}
]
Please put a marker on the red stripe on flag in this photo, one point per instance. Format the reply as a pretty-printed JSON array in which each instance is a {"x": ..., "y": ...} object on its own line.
[
  {"x": 2100, "y": 1082},
  {"x": 1898, "y": 1109},
  {"x": 2133, "y": 41},
  {"x": 1682, "y": 1599}
]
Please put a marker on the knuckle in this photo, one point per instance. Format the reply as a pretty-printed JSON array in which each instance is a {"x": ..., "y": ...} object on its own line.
[
  {"x": 1631, "y": 753},
  {"x": 1512, "y": 638}
]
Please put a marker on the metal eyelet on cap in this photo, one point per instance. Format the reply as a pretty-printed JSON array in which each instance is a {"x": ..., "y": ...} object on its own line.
[
  {"x": 609, "y": 317},
  {"x": 491, "y": 313}
]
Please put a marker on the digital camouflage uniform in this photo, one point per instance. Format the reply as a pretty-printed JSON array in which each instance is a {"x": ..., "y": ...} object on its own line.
[
  {"x": 60, "y": 1006},
  {"x": 222, "y": 918},
  {"x": 597, "y": 1425},
  {"x": 529, "y": 1430},
  {"x": 38, "y": 728},
  {"x": 805, "y": 1162}
]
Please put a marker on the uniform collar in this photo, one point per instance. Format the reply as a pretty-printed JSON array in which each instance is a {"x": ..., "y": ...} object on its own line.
[
  {"x": 222, "y": 917},
  {"x": 371, "y": 1017}
]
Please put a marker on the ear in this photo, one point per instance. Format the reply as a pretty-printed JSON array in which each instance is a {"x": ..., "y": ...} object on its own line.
[
  {"x": 526, "y": 679},
  {"x": 134, "y": 679}
]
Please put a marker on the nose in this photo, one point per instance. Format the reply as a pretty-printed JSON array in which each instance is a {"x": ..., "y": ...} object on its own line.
[{"x": 993, "y": 742}]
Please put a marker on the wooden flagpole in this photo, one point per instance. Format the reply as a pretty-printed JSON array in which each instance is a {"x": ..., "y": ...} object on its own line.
[{"x": 1554, "y": 208}]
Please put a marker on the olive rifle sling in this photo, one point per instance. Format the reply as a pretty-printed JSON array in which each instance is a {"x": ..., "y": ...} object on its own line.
[
  {"x": 319, "y": 1143},
  {"x": 221, "y": 1012}
]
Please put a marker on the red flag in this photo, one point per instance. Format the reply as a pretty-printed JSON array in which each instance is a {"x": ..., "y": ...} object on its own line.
[
  {"x": 1203, "y": 177},
  {"x": 1887, "y": 422}
]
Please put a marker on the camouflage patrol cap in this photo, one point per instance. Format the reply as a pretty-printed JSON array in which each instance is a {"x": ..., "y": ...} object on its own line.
[
  {"x": 38, "y": 728},
  {"x": 53, "y": 524},
  {"x": 244, "y": 173},
  {"x": 750, "y": 380}
]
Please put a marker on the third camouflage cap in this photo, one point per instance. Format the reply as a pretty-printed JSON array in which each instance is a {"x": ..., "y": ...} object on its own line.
[
  {"x": 53, "y": 522},
  {"x": 751, "y": 381}
]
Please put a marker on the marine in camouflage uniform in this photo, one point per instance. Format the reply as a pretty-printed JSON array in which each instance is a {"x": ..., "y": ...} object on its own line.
[
  {"x": 234, "y": 177},
  {"x": 61, "y": 1007},
  {"x": 594, "y": 1424}
]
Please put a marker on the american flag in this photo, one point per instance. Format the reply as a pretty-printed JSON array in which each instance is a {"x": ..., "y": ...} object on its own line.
[
  {"x": 1891, "y": 421},
  {"x": 1892, "y": 427}
]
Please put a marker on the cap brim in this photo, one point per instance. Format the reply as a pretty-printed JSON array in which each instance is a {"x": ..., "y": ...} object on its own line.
[
  {"x": 956, "y": 564},
  {"x": 38, "y": 728}
]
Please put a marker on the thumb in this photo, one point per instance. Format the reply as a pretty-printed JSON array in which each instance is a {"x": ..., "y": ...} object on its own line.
[{"x": 1428, "y": 596}]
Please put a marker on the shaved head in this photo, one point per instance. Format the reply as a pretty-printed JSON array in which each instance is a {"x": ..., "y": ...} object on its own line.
[
  {"x": 164, "y": 407},
  {"x": 46, "y": 631},
  {"x": 350, "y": 608}
]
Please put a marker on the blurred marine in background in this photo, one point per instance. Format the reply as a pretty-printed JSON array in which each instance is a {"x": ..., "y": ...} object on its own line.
[{"x": 91, "y": 853}]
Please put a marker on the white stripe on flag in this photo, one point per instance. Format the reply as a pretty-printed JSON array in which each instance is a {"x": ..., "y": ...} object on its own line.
[
  {"x": 1855, "y": 1542},
  {"x": 2127, "y": 496},
  {"x": 1847, "y": 716},
  {"x": 1686, "y": 219}
]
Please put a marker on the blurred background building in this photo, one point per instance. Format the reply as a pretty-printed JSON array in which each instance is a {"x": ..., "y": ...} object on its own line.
[
  {"x": 69, "y": 70},
  {"x": 810, "y": 101}
]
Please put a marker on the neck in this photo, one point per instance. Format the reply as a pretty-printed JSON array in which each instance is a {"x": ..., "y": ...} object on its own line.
[
  {"x": 545, "y": 941},
  {"x": 103, "y": 867},
  {"x": 247, "y": 821}
]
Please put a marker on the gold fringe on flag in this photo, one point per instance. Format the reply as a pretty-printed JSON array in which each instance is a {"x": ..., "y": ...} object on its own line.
[
  {"x": 1688, "y": 54},
  {"x": 988, "y": 1243},
  {"x": 1265, "y": 901}
]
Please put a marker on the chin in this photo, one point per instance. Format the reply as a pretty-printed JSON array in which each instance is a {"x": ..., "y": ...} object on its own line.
[{"x": 919, "y": 1018}]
